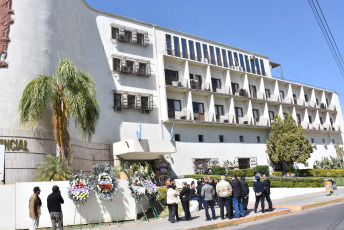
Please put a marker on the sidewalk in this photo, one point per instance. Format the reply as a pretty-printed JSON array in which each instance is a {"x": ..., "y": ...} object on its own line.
[{"x": 281, "y": 207}]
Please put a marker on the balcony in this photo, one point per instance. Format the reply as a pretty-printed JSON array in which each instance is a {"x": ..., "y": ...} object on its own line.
[
  {"x": 223, "y": 90},
  {"x": 207, "y": 117},
  {"x": 304, "y": 125},
  {"x": 181, "y": 83},
  {"x": 299, "y": 102},
  {"x": 179, "y": 115},
  {"x": 225, "y": 118},
  {"x": 241, "y": 93},
  {"x": 261, "y": 121},
  {"x": 321, "y": 106},
  {"x": 204, "y": 86},
  {"x": 259, "y": 95},
  {"x": 311, "y": 104},
  {"x": 324, "y": 127},
  {"x": 245, "y": 120},
  {"x": 331, "y": 107},
  {"x": 272, "y": 98},
  {"x": 314, "y": 126},
  {"x": 287, "y": 100}
]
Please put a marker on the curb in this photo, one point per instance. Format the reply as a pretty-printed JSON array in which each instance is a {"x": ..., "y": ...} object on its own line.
[{"x": 266, "y": 215}]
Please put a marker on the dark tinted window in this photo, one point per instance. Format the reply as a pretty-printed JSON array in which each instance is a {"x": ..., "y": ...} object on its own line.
[
  {"x": 168, "y": 44},
  {"x": 241, "y": 138},
  {"x": 192, "y": 50},
  {"x": 242, "y": 64},
  {"x": 199, "y": 51},
  {"x": 271, "y": 115},
  {"x": 177, "y": 137},
  {"x": 205, "y": 51},
  {"x": 221, "y": 138},
  {"x": 200, "y": 138},
  {"x": 230, "y": 58},
  {"x": 262, "y": 67},
  {"x": 258, "y": 139},
  {"x": 224, "y": 58},
  {"x": 257, "y": 65},
  {"x": 212, "y": 55},
  {"x": 171, "y": 75},
  {"x": 236, "y": 59},
  {"x": 176, "y": 46},
  {"x": 247, "y": 64},
  {"x": 218, "y": 56},
  {"x": 184, "y": 48},
  {"x": 238, "y": 112},
  {"x": 253, "y": 66}
]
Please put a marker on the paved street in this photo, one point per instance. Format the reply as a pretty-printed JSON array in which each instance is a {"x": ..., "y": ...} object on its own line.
[{"x": 329, "y": 217}]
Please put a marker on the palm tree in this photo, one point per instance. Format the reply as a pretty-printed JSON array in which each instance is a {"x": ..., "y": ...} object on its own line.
[
  {"x": 69, "y": 92},
  {"x": 52, "y": 168}
]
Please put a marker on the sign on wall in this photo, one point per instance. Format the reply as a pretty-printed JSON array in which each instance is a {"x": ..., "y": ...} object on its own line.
[{"x": 2, "y": 162}]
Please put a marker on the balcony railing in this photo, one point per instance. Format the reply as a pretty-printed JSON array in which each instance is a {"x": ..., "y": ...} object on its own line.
[
  {"x": 241, "y": 92},
  {"x": 305, "y": 125},
  {"x": 324, "y": 127},
  {"x": 273, "y": 98},
  {"x": 261, "y": 121},
  {"x": 331, "y": 107},
  {"x": 245, "y": 120},
  {"x": 300, "y": 102},
  {"x": 287, "y": 100},
  {"x": 181, "y": 115},
  {"x": 183, "y": 83},
  {"x": 225, "y": 118},
  {"x": 223, "y": 90},
  {"x": 314, "y": 126}
]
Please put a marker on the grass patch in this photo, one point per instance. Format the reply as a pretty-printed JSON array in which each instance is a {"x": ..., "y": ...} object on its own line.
[{"x": 216, "y": 227}]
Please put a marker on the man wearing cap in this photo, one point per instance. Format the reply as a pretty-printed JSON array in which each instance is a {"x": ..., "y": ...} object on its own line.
[
  {"x": 246, "y": 192},
  {"x": 259, "y": 188},
  {"x": 35, "y": 204}
]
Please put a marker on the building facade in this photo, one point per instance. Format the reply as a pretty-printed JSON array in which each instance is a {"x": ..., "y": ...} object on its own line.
[{"x": 219, "y": 99}]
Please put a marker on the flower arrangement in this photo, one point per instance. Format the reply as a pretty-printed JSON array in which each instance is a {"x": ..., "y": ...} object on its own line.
[
  {"x": 213, "y": 163},
  {"x": 230, "y": 165},
  {"x": 137, "y": 188},
  {"x": 79, "y": 188},
  {"x": 151, "y": 190},
  {"x": 104, "y": 182}
]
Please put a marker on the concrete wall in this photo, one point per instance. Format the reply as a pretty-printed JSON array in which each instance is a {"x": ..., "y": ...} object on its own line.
[{"x": 14, "y": 209}]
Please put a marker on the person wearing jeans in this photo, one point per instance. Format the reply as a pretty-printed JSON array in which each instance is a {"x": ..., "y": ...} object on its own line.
[
  {"x": 238, "y": 194},
  {"x": 208, "y": 195}
]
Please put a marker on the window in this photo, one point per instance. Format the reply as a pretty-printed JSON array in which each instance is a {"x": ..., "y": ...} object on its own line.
[
  {"x": 236, "y": 59},
  {"x": 242, "y": 63},
  {"x": 267, "y": 93},
  {"x": 174, "y": 105},
  {"x": 253, "y": 91},
  {"x": 168, "y": 44},
  {"x": 306, "y": 97},
  {"x": 129, "y": 67},
  {"x": 256, "y": 114},
  {"x": 333, "y": 141},
  {"x": 271, "y": 115},
  {"x": 212, "y": 55},
  {"x": 310, "y": 119},
  {"x": 140, "y": 39},
  {"x": 238, "y": 112},
  {"x": 224, "y": 58},
  {"x": 284, "y": 115},
  {"x": 218, "y": 56},
  {"x": 331, "y": 121},
  {"x": 253, "y": 66},
  {"x": 221, "y": 139},
  {"x": 219, "y": 111},
  {"x": 298, "y": 117},
  {"x": 321, "y": 120},
  {"x": 199, "y": 52},
  {"x": 198, "y": 107},
  {"x": 128, "y": 36},
  {"x": 116, "y": 64},
  {"x": 258, "y": 139},
  {"x": 200, "y": 138},
  {"x": 177, "y": 137},
  {"x": 282, "y": 95},
  {"x": 295, "y": 99},
  {"x": 257, "y": 66},
  {"x": 247, "y": 64},
  {"x": 142, "y": 69},
  {"x": 192, "y": 50},
  {"x": 184, "y": 48},
  {"x": 216, "y": 83},
  {"x": 241, "y": 138},
  {"x": 235, "y": 87},
  {"x": 327, "y": 103},
  {"x": 205, "y": 51},
  {"x": 117, "y": 100},
  {"x": 196, "y": 78},
  {"x": 244, "y": 163},
  {"x": 171, "y": 75},
  {"x": 176, "y": 46},
  {"x": 230, "y": 58},
  {"x": 114, "y": 33},
  {"x": 323, "y": 140},
  {"x": 144, "y": 102},
  {"x": 312, "y": 140},
  {"x": 131, "y": 101},
  {"x": 262, "y": 66}
]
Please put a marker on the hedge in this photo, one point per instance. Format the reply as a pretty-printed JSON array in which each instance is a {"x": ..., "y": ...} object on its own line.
[
  {"x": 293, "y": 183},
  {"x": 163, "y": 193},
  {"x": 262, "y": 169},
  {"x": 320, "y": 173},
  {"x": 276, "y": 173},
  {"x": 238, "y": 172}
]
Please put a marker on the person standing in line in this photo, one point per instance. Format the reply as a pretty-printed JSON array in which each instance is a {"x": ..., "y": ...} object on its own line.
[
  {"x": 258, "y": 188},
  {"x": 246, "y": 193},
  {"x": 224, "y": 190},
  {"x": 172, "y": 201},
  {"x": 172, "y": 182},
  {"x": 185, "y": 199},
  {"x": 35, "y": 204},
  {"x": 238, "y": 194},
  {"x": 267, "y": 192},
  {"x": 199, "y": 194},
  {"x": 208, "y": 196},
  {"x": 54, "y": 202},
  {"x": 230, "y": 206},
  {"x": 193, "y": 193}
]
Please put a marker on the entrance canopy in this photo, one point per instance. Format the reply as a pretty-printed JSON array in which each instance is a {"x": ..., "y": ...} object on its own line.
[{"x": 146, "y": 149}]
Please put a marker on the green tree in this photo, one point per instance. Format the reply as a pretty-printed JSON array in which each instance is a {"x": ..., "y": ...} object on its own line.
[
  {"x": 287, "y": 143},
  {"x": 69, "y": 92},
  {"x": 52, "y": 168},
  {"x": 340, "y": 155}
]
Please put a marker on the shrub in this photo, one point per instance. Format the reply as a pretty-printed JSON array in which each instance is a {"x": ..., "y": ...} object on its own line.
[
  {"x": 163, "y": 193},
  {"x": 239, "y": 172},
  {"x": 320, "y": 173},
  {"x": 218, "y": 171},
  {"x": 262, "y": 169},
  {"x": 276, "y": 173}
]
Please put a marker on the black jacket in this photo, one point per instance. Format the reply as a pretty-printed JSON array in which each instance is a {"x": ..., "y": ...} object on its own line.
[
  {"x": 238, "y": 191},
  {"x": 54, "y": 202},
  {"x": 199, "y": 190},
  {"x": 185, "y": 194},
  {"x": 267, "y": 184},
  {"x": 192, "y": 193},
  {"x": 245, "y": 187},
  {"x": 214, "y": 185},
  {"x": 258, "y": 187}
]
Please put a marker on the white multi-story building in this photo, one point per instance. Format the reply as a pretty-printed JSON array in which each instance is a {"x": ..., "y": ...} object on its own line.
[{"x": 221, "y": 99}]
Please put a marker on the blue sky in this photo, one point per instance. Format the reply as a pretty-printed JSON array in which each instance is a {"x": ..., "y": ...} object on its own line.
[{"x": 286, "y": 31}]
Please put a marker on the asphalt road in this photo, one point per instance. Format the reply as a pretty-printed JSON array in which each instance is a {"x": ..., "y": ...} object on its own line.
[{"x": 329, "y": 217}]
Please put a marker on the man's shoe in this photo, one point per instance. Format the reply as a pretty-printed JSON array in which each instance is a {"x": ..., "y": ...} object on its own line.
[
  {"x": 255, "y": 211},
  {"x": 207, "y": 219},
  {"x": 214, "y": 218},
  {"x": 179, "y": 219},
  {"x": 271, "y": 210}
]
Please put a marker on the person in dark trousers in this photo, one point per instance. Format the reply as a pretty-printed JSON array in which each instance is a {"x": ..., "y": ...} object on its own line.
[
  {"x": 246, "y": 193},
  {"x": 238, "y": 194},
  {"x": 213, "y": 183},
  {"x": 208, "y": 196},
  {"x": 185, "y": 199},
  {"x": 172, "y": 182},
  {"x": 172, "y": 201},
  {"x": 54, "y": 202},
  {"x": 267, "y": 192},
  {"x": 199, "y": 191},
  {"x": 193, "y": 193},
  {"x": 230, "y": 200},
  {"x": 259, "y": 188},
  {"x": 224, "y": 190}
]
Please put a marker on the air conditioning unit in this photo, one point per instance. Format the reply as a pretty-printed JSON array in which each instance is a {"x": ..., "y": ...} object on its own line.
[
  {"x": 145, "y": 111},
  {"x": 252, "y": 58},
  {"x": 141, "y": 72},
  {"x": 125, "y": 69},
  {"x": 240, "y": 68},
  {"x": 122, "y": 38},
  {"x": 118, "y": 109},
  {"x": 194, "y": 84},
  {"x": 205, "y": 60}
]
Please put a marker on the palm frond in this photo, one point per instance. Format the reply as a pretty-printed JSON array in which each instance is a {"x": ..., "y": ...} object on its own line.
[{"x": 51, "y": 168}]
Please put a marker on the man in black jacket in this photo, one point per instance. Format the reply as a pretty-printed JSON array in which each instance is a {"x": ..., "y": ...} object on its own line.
[
  {"x": 259, "y": 188},
  {"x": 199, "y": 195},
  {"x": 185, "y": 198},
  {"x": 54, "y": 202},
  {"x": 267, "y": 192},
  {"x": 246, "y": 192},
  {"x": 238, "y": 194}
]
